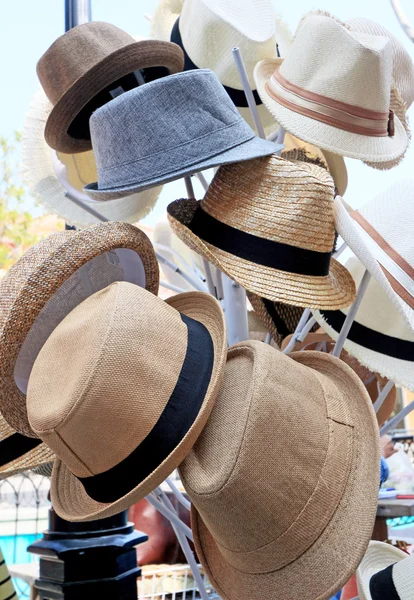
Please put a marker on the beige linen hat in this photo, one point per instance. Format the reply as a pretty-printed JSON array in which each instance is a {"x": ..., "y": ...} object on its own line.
[
  {"x": 88, "y": 66},
  {"x": 49, "y": 280},
  {"x": 268, "y": 224},
  {"x": 20, "y": 453},
  {"x": 284, "y": 506},
  {"x": 388, "y": 570},
  {"x": 143, "y": 380},
  {"x": 333, "y": 90}
]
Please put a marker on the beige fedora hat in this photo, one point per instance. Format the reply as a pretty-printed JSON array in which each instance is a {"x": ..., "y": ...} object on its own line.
[
  {"x": 54, "y": 178},
  {"x": 88, "y": 66},
  {"x": 268, "y": 224},
  {"x": 385, "y": 573},
  {"x": 284, "y": 506},
  {"x": 141, "y": 387},
  {"x": 49, "y": 280},
  {"x": 321, "y": 91}
]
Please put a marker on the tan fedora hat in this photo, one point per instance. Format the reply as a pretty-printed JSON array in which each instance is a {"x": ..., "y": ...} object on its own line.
[
  {"x": 321, "y": 93},
  {"x": 284, "y": 506},
  {"x": 88, "y": 66},
  {"x": 268, "y": 224},
  {"x": 49, "y": 280},
  {"x": 144, "y": 377}
]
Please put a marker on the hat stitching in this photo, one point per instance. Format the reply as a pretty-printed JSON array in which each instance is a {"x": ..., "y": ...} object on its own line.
[{"x": 70, "y": 451}]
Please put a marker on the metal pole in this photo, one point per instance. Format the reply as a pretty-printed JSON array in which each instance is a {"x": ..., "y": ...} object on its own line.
[
  {"x": 202, "y": 180},
  {"x": 382, "y": 395},
  {"x": 395, "y": 420},
  {"x": 235, "y": 311},
  {"x": 302, "y": 322},
  {"x": 77, "y": 12},
  {"x": 181, "y": 499},
  {"x": 248, "y": 91},
  {"x": 306, "y": 329},
  {"x": 402, "y": 19},
  {"x": 169, "y": 514}
]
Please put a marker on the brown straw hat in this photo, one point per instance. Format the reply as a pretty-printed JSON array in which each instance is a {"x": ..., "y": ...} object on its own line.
[
  {"x": 88, "y": 66},
  {"x": 51, "y": 279},
  {"x": 269, "y": 225},
  {"x": 144, "y": 377},
  {"x": 284, "y": 506}
]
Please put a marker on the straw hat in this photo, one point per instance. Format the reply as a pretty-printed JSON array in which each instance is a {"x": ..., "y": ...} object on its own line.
[
  {"x": 333, "y": 90},
  {"x": 88, "y": 66},
  {"x": 373, "y": 382},
  {"x": 385, "y": 573},
  {"x": 380, "y": 337},
  {"x": 268, "y": 224},
  {"x": 156, "y": 382},
  {"x": 54, "y": 178},
  {"x": 380, "y": 235},
  {"x": 294, "y": 488},
  {"x": 49, "y": 280}
]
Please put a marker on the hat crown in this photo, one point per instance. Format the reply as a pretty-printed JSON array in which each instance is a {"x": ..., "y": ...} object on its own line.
[
  {"x": 76, "y": 52},
  {"x": 125, "y": 348},
  {"x": 359, "y": 69}
]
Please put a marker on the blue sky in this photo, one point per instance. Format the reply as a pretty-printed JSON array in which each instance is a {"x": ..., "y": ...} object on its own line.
[{"x": 28, "y": 27}]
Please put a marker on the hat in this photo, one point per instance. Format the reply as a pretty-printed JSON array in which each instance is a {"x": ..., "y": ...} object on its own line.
[
  {"x": 380, "y": 235},
  {"x": 142, "y": 367},
  {"x": 284, "y": 478},
  {"x": 88, "y": 66},
  {"x": 380, "y": 337},
  {"x": 268, "y": 224},
  {"x": 208, "y": 30},
  {"x": 333, "y": 90},
  {"x": 165, "y": 130},
  {"x": 54, "y": 178},
  {"x": 49, "y": 280},
  {"x": 373, "y": 382},
  {"x": 385, "y": 573}
]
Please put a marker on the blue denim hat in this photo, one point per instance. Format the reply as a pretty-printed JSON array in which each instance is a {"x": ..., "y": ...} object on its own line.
[{"x": 166, "y": 129}]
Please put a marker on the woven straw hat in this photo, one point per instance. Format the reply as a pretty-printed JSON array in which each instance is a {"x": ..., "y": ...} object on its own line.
[
  {"x": 333, "y": 90},
  {"x": 84, "y": 68},
  {"x": 156, "y": 382},
  {"x": 268, "y": 224},
  {"x": 294, "y": 488},
  {"x": 49, "y": 280},
  {"x": 54, "y": 178},
  {"x": 389, "y": 570},
  {"x": 380, "y": 337},
  {"x": 380, "y": 235}
]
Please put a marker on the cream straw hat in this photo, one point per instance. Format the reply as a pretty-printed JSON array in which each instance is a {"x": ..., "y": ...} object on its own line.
[
  {"x": 333, "y": 90},
  {"x": 388, "y": 570}
]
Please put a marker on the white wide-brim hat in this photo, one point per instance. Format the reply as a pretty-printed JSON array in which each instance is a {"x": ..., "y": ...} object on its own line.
[
  {"x": 378, "y": 557},
  {"x": 54, "y": 177}
]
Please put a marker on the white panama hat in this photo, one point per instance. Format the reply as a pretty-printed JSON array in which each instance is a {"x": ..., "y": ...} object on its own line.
[{"x": 385, "y": 573}]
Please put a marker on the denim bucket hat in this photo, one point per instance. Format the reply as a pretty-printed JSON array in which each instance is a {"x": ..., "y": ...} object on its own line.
[{"x": 165, "y": 130}]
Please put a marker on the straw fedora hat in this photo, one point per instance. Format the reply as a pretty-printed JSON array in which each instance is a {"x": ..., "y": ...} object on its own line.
[
  {"x": 321, "y": 91},
  {"x": 268, "y": 224},
  {"x": 294, "y": 488},
  {"x": 54, "y": 178},
  {"x": 373, "y": 382},
  {"x": 49, "y": 280},
  {"x": 380, "y": 337},
  {"x": 156, "y": 383},
  {"x": 380, "y": 235},
  {"x": 385, "y": 573},
  {"x": 89, "y": 65}
]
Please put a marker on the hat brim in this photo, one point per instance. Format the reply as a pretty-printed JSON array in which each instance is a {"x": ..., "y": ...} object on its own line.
[
  {"x": 68, "y": 495},
  {"x": 130, "y": 58},
  {"x": 336, "y": 289},
  {"x": 253, "y": 148},
  {"x": 329, "y": 563},
  {"x": 362, "y": 147},
  {"x": 379, "y": 556}
]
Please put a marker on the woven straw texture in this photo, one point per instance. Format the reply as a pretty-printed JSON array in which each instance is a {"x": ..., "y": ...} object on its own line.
[
  {"x": 255, "y": 529},
  {"x": 128, "y": 387},
  {"x": 379, "y": 556},
  {"x": 296, "y": 200},
  {"x": 36, "y": 277},
  {"x": 85, "y": 60}
]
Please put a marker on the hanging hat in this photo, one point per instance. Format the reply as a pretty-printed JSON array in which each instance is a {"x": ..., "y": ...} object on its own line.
[
  {"x": 49, "y": 280},
  {"x": 19, "y": 453},
  {"x": 152, "y": 371},
  {"x": 385, "y": 573},
  {"x": 268, "y": 224},
  {"x": 380, "y": 337},
  {"x": 54, "y": 178},
  {"x": 380, "y": 235},
  {"x": 333, "y": 90},
  {"x": 88, "y": 66},
  {"x": 284, "y": 478},
  {"x": 165, "y": 130}
]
